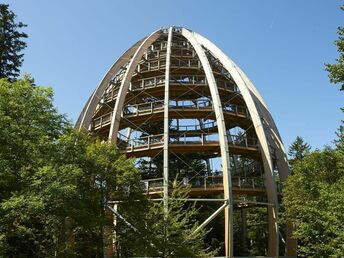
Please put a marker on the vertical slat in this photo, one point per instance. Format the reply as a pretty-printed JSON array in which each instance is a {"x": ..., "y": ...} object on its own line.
[{"x": 166, "y": 117}]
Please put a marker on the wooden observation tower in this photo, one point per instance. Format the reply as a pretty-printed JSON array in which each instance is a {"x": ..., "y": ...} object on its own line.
[{"x": 180, "y": 106}]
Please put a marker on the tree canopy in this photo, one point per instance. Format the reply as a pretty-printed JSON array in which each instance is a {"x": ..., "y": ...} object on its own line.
[
  {"x": 336, "y": 71},
  {"x": 11, "y": 43},
  {"x": 314, "y": 200},
  {"x": 298, "y": 150},
  {"x": 313, "y": 195},
  {"x": 54, "y": 181},
  {"x": 55, "y": 184}
]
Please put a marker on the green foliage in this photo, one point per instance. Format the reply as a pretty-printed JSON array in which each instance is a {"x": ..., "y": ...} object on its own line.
[
  {"x": 257, "y": 231},
  {"x": 336, "y": 71},
  {"x": 66, "y": 200},
  {"x": 11, "y": 43},
  {"x": 159, "y": 233},
  {"x": 313, "y": 196},
  {"x": 298, "y": 150},
  {"x": 53, "y": 181},
  {"x": 173, "y": 233},
  {"x": 55, "y": 184},
  {"x": 29, "y": 125},
  {"x": 314, "y": 201}
]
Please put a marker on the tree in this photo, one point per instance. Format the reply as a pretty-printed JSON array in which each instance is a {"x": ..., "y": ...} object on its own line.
[
  {"x": 313, "y": 195},
  {"x": 55, "y": 182},
  {"x": 336, "y": 71},
  {"x": 314, "y": 200},
  {"x": 298, "y": 150},
  {"x": 174, "y": 232},
  {"x": 11, "y": 43},
  {"x": 257, "y": 230},
  {"x": 29, "y": 125},
  {"x": 63, "y": 209},
  {"x": 162, "y": 233}
]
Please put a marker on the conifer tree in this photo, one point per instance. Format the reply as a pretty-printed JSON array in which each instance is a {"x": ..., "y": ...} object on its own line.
[
  {"x": 11, "y": 43},
  {"x": 298, "y": 150}
]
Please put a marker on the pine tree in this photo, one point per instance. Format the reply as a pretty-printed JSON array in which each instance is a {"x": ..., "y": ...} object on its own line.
[
  {"x": 11, "y": 43},
  {"x": 175, "y": 233},
  {"x": 298, "y": 150},
  {"x": 166, "y": 233}
]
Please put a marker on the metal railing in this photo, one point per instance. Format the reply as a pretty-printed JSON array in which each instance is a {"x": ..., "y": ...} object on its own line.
[
  {"x": 206, "y": 138},
  {"x": 147, "y": 83},
  {"x": 151, "y": 65},
  {"x": 184, "y": 128},
  {"x": 223, "y": 84},
  {"x": 188, "y": 104},
  {"x": 243, "y": 140},
  {"x": 146, "y": 141},
  {"x": 159, "y": 45},
  {"x": 185, "y": 63},
  {"x": 185, "y": 138},
  {"x": 101, "y": 121},
  {"x": 202, "y": 138},
  {"x": 110, "y": 95},
  {"x": 188, "y": 79},
  {"x": 236, "y": 109},
  {"x": 143, "y": 108},
  {"x": 149, "y": 107},
  {"x": 182, "y": 52},
  {"x": 181, "y": 44},
  {"x": 206, "y": 182},
  {"x": 159, "y": 81},
  {"x": 153, "y": 53},
  {"x": 152, "y": 185}
]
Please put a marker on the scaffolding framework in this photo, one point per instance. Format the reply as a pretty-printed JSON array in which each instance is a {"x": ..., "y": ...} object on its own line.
[{"x": 175, "y": 97}]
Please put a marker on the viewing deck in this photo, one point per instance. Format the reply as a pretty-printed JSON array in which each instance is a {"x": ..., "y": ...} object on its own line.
[
  {"x": 179, "y": 84},
  {"x": 154, "y": 111},
  {"x": 209, "y": 185},
  {"x": 185, "y": 143}
]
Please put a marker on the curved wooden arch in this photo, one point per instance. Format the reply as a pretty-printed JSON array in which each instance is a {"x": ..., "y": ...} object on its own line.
[
  {"x": 223, "y": 139},
  {"x": 273, "y": 249},
  {"x": 86, "y": 115},
  {"x": 263, "y": 120},
  {"x": 117, "y": 111}
]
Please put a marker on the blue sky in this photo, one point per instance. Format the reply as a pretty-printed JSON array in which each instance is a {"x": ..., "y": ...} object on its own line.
[{"x": 281, "y": 45}]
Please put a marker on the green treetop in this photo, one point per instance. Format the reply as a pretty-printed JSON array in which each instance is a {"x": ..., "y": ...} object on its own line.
[
  {"x": 298, "y": 150},
  {"x": 336, "y": 71},
  {"x": 11, "y": 43}
]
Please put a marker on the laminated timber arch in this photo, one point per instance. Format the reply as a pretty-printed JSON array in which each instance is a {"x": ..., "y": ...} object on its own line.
[
  {"x": 227, "y": 183},
  {"x": 258, "y": 109},
  {"x": 87, "y": 112},
  {"x": 172, "y": 77}
]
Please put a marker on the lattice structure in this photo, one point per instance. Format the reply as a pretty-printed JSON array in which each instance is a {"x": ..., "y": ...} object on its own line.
[{"x": 180, "y": 106}]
